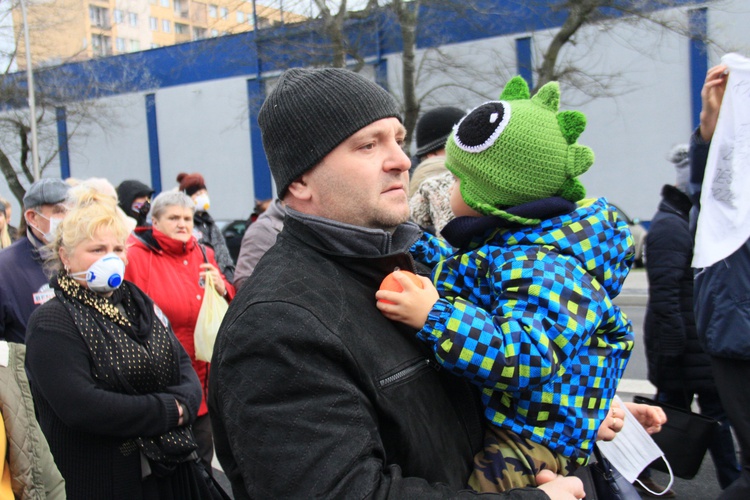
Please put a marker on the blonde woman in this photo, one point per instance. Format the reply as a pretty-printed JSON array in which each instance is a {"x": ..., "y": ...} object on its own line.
[
  {"x": 5, "y": 239},
  {"x": 114, "y": 389}
]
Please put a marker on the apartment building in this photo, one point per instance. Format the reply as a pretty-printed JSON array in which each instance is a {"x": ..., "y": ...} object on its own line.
[{"x": 72, "y": 30}]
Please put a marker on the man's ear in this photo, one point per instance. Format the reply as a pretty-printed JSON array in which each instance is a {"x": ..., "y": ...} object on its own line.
[
  {"x": 30, "y": 216},
  {"x": 300, "y": 189}
]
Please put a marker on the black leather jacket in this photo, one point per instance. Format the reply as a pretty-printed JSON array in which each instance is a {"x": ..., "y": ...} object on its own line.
[{"x": 314, "y": 393}]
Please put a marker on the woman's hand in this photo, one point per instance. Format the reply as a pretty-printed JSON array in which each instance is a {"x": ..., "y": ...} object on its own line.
[
  {"x": 612, "y": 424},
  {"x": 650, "y": 417},
  {"x": 219, "y": 285},
  {"x": 181, "y": 413},
  {"x": 712, "y": 94}
]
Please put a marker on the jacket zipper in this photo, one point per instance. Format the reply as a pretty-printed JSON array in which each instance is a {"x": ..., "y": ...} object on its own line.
[{"x": 409, "y": 370}]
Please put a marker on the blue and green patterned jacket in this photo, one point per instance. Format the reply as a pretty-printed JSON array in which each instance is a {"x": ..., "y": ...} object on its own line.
[{"x": 526, "y": 314}]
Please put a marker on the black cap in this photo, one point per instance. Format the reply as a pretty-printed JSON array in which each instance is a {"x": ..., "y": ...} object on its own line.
[
  {"x": 311, "y": 111},
  {"x": 434, "y": 127}
]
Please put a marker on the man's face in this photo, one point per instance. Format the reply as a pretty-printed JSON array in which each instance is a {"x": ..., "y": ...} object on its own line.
[
  {"x": 365, "y": 179},
  {"x": 39, "y": 219}
]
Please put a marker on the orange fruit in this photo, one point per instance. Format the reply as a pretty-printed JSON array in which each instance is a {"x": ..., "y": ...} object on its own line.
[{"x": 390, "y": 283}]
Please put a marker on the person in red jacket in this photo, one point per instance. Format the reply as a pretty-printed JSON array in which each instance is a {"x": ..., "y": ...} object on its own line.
[{"x": 169, "y": 265}]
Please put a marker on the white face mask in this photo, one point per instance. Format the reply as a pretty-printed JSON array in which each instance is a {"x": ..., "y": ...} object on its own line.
[
  {"x": 104, "y": 275},
  {"x": 632, "y": 450},
  {"x": 54, "y": 223},
  {"x": 202, "y": 202}
]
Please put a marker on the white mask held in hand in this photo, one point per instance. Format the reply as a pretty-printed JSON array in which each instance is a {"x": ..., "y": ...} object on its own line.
[
  {"x": 104, "y": 275},
  {"x": 632, "y": 450},
  {"x": 202, "y": 203}
]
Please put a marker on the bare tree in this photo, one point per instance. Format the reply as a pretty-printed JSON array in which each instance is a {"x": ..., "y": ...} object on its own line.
[{"x": 54, "y": 89}]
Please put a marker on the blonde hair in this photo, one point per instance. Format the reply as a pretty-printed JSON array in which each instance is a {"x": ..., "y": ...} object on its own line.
[
  {"x": 90, "y": 211},
  {"x": 4, "y": 234},
  {"x": 100, "y": 184}
]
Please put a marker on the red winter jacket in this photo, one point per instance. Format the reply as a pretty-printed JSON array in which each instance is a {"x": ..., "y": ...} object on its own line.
[{"x": 168, "y": 271}]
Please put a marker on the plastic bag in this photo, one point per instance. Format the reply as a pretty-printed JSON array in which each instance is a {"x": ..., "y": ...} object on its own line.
[{"x": 213, "y": 309}]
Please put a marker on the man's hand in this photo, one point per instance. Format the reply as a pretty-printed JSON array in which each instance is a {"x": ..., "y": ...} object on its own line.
[
  {"x": 410, "y": 306},
  {"x": 559, "y": 487},
  {"x": 712, "y": 94}
]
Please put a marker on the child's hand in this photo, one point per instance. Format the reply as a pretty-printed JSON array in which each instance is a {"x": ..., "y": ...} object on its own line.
[{"x": 412, "y": 305}]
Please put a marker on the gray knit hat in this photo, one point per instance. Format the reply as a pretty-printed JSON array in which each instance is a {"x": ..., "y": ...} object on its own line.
[{"x": 311, "y": 111}]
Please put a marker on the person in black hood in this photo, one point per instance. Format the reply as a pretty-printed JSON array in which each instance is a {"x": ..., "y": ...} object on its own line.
[{"x": 135, "y": 200}]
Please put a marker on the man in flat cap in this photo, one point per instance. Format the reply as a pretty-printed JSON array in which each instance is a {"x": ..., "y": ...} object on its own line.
[{"x": 24, "y": 284}]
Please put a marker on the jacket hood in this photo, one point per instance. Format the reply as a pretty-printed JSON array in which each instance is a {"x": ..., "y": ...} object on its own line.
[
  {"x": 128, "y": 191},
  {"x": 592, "y": 234}
]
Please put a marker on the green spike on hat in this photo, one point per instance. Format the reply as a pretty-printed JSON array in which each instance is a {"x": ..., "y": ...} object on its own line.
[{"x": 517, "y": 150}]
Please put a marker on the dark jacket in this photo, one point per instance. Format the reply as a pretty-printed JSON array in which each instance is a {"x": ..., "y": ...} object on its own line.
[
  {"x": 23, "y": 287},
  {"x": 89, "y": 425},
  {"x": 208, "y": 233},
  {"x": 722, "y": 291},
  {"x": 676, "y": 360},
  {"x": 315, "y": 394}
]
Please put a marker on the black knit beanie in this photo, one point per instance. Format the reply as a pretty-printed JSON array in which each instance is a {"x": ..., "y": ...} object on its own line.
[
  {"x": 311, "y": 111},
  {"x": 434, "y": 127}
]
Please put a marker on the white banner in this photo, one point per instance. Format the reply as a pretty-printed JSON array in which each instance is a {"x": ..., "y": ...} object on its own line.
[{"x": 724, "y": 220}]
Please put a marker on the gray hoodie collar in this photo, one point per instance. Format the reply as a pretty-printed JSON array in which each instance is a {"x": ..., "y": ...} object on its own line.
[{"x": 346, "y": 239}]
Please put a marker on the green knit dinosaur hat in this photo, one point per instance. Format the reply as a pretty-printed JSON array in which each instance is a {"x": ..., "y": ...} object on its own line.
[{"x": 517, "y": 150}]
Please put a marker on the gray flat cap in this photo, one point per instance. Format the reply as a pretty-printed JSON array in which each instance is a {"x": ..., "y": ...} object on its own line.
[{"x": 47, "y": 191}]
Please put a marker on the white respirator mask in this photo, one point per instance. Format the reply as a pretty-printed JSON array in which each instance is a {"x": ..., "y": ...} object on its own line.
[
  {"x": 202, "y": 203},
  {"x": 104, "y": 275}
]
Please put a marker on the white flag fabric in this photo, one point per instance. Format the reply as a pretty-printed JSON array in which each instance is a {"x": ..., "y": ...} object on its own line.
[{"x": 724, "y": 220}]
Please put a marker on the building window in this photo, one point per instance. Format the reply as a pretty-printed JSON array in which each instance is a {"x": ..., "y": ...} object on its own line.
[
  {"x": 117, "y": 16},
  {"x": 181, "y": 29},
  {"x": 166, "y": 26},
  {"x": 120, "y": 45},
  {"x": 155, "y": 45},
  {"x": 132, "y": 18},
  {"x": 240, "y": 16},
  {"x": 199, "y": 33},
  {"x": 212, "y": 9},
  {"x": 165, "y": 3},
  {"x": 181, "y": 8},
  {"x": 101, "y": 44},
  {"x": 214, "y": 33},
  {"x": 224, "y": 13},
  {"x": 153, "y": 23},
  {"x": 99, "y": 16},
  {"x": 135, "y": 45}
]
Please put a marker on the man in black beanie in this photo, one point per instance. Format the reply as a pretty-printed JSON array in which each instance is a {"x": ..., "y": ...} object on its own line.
[{"x": 313, "y": 392}]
